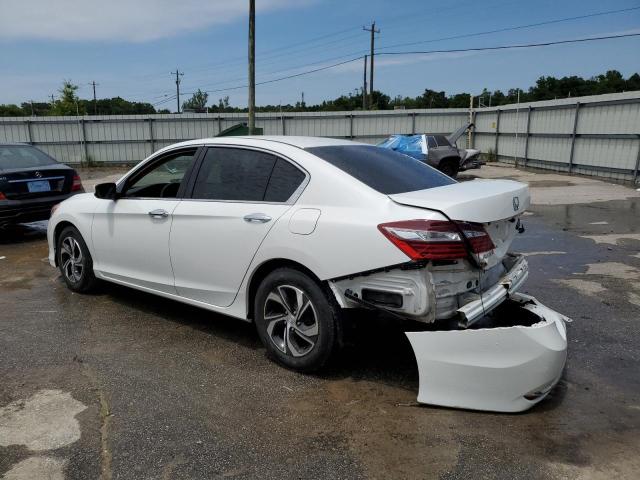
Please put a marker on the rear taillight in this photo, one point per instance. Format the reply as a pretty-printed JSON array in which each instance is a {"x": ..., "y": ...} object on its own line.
[
  {"x": 76, "y": 186},
  {"x": 436, "y": 239},
  {"x": 2, "y": 197}
]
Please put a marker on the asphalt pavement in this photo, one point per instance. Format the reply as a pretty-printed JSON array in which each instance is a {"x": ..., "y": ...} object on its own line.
[{"x": 125, "y": 385}]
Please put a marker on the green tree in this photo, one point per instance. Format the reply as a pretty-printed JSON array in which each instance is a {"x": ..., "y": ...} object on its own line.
[
  {"x": 197, "y": 102},
  {"x": 68, "y": 104}
]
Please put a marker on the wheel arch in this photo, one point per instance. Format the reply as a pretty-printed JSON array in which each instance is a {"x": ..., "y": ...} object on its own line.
[
  {"x": 56, "y": 235},
  {"x": 264, "y": 269}
]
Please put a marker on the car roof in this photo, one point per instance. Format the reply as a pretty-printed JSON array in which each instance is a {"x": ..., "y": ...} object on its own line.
[{"x": 294, "y": 141}]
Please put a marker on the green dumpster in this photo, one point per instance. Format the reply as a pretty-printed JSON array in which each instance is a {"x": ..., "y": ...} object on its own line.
[{"x": 238, "y": 130}]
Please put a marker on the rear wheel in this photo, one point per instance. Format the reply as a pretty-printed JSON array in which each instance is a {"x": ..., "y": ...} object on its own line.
[
  {"x": 296, "y": 320},
  {"x": 74, "y": 261},
  {"x": 449, "y": 167}
]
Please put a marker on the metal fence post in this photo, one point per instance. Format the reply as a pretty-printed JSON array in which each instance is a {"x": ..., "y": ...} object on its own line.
[
  {"x": 351, "y": 125},
  {"x": 83, "y": 140},
  {"x": 495, "y": 149},
  {"x": 413, "y": 123},
  {"x": 573, "y": 135},
  {"x": 284, "y": 130},
  {"x": 635, "y": 172},
  {"x": 526, "y": 137},
  {"x": 151, "y": 137},
  {"x": 29, "y": 138},
  {"x": 219, "y": 124}
]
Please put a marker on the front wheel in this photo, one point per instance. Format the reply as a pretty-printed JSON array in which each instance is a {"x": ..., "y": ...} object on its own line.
[
  {"x": 449, "y": 168},
  {"x": 74, "y": 261},
  {"x": 296, "y": 320}
]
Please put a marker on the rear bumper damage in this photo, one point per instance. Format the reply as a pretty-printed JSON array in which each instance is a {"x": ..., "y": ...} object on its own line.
[{"x": 494, "y": 368}]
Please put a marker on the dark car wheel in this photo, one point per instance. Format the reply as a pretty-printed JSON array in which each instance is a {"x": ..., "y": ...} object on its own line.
[
  {"x": 74, "y": 261},
  {"x": 296, "y": 320},
  {"x": 449, "y": 168}
]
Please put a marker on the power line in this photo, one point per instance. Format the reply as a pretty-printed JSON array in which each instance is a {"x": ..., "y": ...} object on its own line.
[
  {"x": 505, "y": 47},
  {"x": 509, "y": 29},
  {"x": 454, "y": 50}
]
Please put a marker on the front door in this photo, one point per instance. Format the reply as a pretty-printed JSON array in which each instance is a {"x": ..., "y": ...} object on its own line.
[
  {"x": 131, "y": 234},
  {"x": 237, "y": 197}
]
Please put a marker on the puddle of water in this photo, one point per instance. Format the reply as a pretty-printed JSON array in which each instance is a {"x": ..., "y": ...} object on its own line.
[{"x": 615, "y": 216}]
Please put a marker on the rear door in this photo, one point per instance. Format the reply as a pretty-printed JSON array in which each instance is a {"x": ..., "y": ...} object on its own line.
[{"x": 236, "y": 198}]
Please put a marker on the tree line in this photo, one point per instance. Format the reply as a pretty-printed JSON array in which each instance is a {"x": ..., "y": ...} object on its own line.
[{"x": 545, "y": 88}]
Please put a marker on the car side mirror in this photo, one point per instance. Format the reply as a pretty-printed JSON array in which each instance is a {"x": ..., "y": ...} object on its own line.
[{"x": 106, "y": 191}]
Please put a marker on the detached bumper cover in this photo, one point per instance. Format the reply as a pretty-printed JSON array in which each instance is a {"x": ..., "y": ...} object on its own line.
[{"x": 501, "y": 369}]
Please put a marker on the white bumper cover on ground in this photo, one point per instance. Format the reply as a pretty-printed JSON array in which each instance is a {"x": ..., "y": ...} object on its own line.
[{"x": 502, "y": 369}]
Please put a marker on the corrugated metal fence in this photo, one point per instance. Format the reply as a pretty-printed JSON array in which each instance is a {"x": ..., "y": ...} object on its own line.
[{"x": 597, "y": 135}]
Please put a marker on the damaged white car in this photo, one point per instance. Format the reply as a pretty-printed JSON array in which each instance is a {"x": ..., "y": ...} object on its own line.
[{"x": 293, "y": 232}]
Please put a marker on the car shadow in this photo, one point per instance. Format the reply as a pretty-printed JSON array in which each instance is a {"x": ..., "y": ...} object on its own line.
[
  {"x": 376, "y": 348},
  {"x": 23, "y": 233}
]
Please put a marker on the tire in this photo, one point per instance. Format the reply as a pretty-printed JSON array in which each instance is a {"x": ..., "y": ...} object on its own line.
[
  {"x": 302, "y": 339},
  {"x": 75, "y": 262},
  {"x": 449, "y": 168}
]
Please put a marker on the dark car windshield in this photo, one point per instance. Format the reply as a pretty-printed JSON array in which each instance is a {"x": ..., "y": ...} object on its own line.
[
  {"x": 22, "y": 156},
  {"x": 383, "y": 170}
]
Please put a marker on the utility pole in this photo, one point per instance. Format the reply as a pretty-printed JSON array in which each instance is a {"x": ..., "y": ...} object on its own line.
[
  {"x": 302, "y": 100},
  {"x": 32, "y": 112},
  {"x": 95, "y": 101},
  {"x": 252, "y": 66},
  {"x": 373, "y": 31},
  {"x": 364, "y": 85},
  {"x": 53, "y": 100},
  {"x": 178, "y": 74}
]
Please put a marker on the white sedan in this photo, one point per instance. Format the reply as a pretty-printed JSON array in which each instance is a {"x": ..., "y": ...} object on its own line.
[{"x": 292, "y": 232}]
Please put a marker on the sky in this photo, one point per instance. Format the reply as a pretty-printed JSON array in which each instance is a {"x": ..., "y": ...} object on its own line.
[{"x": 130, "y": 48}]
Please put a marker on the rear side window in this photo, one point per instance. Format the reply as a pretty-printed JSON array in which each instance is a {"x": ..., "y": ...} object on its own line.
[
  {"x": 236, "y": 174},
  {"x": 284, "y": 180},
  {"x": 233, "y": 174},
  {"x": 442, "y": 141},
  {"x": 23, "y": 156},
  {"x": 383, "y": 170}
]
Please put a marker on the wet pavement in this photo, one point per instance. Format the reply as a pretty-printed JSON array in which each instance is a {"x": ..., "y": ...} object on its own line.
[{"x": 122, "y": 384}]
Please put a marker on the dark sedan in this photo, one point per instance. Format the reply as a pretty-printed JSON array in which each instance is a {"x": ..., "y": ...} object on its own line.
[{"x": 31, "y": 182}]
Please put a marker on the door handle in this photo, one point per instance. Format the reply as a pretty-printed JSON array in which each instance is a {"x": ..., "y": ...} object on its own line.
[
  {"x": 257, "y": 218},
  {"x": 158, "y": 213}
]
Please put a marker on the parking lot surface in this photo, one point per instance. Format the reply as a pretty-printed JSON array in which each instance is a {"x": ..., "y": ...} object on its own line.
[{"x": 125, "y": 385}]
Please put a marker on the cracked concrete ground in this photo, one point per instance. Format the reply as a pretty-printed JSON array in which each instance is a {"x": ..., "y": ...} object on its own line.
[{"x": 162, "y": 390}]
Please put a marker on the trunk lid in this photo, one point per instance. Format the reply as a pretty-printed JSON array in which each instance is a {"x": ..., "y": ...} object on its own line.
[
  {"x": 478, "y": 201},
  {"x": 40, "y": 182},
  {"x": 496, "y": 204}
]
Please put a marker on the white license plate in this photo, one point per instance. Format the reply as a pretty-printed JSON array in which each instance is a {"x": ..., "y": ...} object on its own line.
[{"x": 39, "y": 186}]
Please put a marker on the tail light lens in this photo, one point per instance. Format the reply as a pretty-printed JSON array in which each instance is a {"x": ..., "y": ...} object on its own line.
[
  {"x": 2, "y": 197},
  {"x": 435, "y": 239},
  {"x": 76, "y": 186}
]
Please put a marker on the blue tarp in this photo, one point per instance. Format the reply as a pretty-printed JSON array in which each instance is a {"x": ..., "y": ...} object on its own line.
[{"x": 411, "y": 145}]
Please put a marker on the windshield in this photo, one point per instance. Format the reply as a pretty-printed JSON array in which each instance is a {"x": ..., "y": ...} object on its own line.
[
  {"x": 23, "y": 156},
  {"x": 383, "y": 170}
]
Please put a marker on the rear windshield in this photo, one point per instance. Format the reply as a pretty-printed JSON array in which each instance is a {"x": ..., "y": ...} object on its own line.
[
  {"x": 383, "y": 170},
  {"x": 22, "y": 156}
]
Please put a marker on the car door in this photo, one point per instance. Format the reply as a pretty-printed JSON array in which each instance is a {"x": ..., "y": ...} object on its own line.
[
  {"x": 131, "y": 234},
  {"x": 236, "y": 197}
]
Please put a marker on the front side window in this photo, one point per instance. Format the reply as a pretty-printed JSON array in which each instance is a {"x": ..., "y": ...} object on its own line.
[
  {"x": 164, "y": 178},
  {"x": 235, "y": 174},
  {"x": 442, "y": 141}
]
